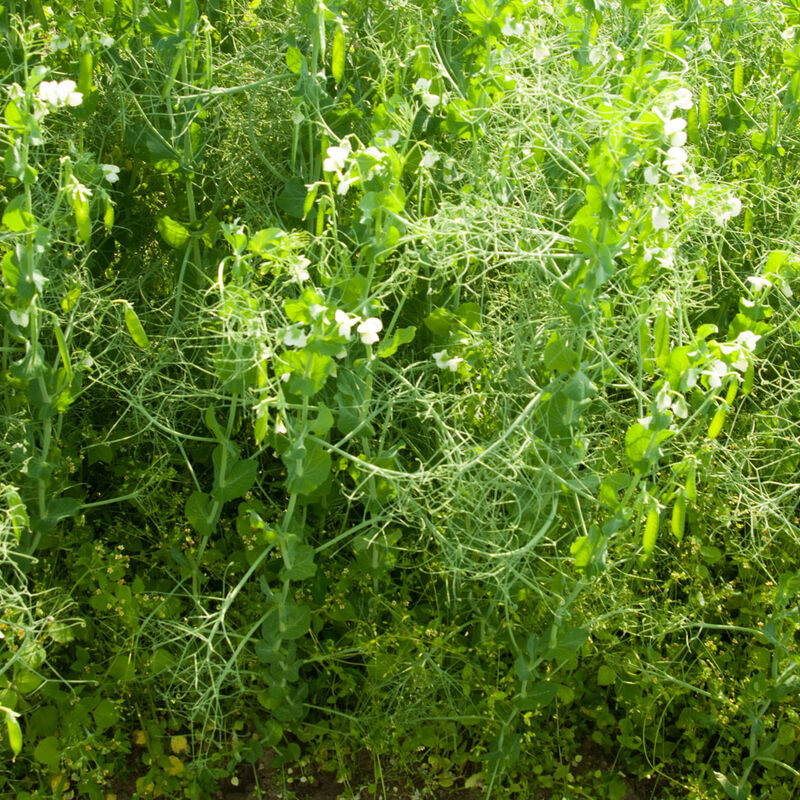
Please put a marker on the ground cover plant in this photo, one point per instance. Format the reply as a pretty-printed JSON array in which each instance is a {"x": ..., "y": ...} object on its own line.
[{"x": 400, "y": 399}]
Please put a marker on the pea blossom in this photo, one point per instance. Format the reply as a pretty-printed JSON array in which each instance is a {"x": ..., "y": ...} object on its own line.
[
  {"x": 369, "y": 329},
  {"x": 659, "y": 218},
  {"x": 60, "y": 93},
  {"x": 110, "y": 172},
  {"x": 443, "y": 362},
  {"x": 295, "y": 338},
  {"x": 731, "y": 207},
  {"x": 345, "y": 322},
  {"x": 676, "y": 158}
]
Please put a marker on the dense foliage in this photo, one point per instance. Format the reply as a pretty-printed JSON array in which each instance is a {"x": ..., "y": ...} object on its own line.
[{"x": 411, "y": 378}]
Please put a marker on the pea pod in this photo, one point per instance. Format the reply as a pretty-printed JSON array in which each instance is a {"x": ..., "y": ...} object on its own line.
[
  {"x": 650, "y": 529},
  {"x": 661, "y": 331},
  {"x": 678, "y": 522},
  {"x": 717, "y": 421},
  {"x": 337, "y": 56},
  {"x": 14, "y": 732},
  {"x": 134, "y": 326}
]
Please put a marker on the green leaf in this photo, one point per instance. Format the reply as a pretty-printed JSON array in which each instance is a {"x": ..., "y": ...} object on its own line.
[
  {"x": 198, "y": 512},
  {"x": 606, "y": 676},
  {"x": 105, "y": 714},
  {"x": 294, "y": 60},
  {"x": 57, "y": 509},
  {"x": 642, "y": 444},
  {"x": 324, "y": 421},
  {"x": 298, "y": 560},
  {"x": 134, "y": 326},
  {"x": 710, "y": 554},
  {"x": 285, "y": 621},
  {"x": 568, "y": 642},
  {"x": 14, "y": 161},
  {"x": 16, "y": 218},
  {"x": 174, "y": 233},
  {"x": 238, "y": 481},
  {"x": 309, "y": 371},
  {"x": 676, "y": 366},
  {"x": 538, "y": 695},
  {"x": 308, "y": 465},
  {"x": 388, "y": 347},
  {"x": 14, "y": 733},
  {"x": 441, "y": 322},
  {"x": 557, "y": 356},
  {"x": 48, "y": 752}
]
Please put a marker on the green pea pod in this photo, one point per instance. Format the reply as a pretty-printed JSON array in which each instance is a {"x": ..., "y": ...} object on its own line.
[
  {"x": 650, "y": 530},
  {"x": 85, "y": 65},
  {"x": 337, "y": 56},
  {"x": 690, "y": 486},
  {"x": 678, "y": 521},
  {"x": 134, "y": 327},
  {"x": 662, "y": 340},
  {"x": 738, "y": 78},
  {"x": 718, "y": 420},
  {"x": 14, "y": 733}
]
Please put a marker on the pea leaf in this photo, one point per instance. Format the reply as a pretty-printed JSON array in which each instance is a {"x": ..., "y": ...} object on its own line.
[
  {"x": 237, "y": 482},
  {"x": 198, "y": 512},
  {"x": 539, "y": 695},
  {"x": 298, "y": 560},
  {"x": 307, "y": 466},
  {"x": 16, "y": 218},
  {"x": 174, "y": 233}
]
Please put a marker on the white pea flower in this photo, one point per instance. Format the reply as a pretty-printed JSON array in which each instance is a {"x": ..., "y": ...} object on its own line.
[
  {"x": 443, "y": 362},
  {"x": 106, "y": 40},
  {"x": 683, "y": 99},
  {"x": 732, "y": 207},
  {"x": 659, "y": 218},
  {"x": 60, "y": 93},
  {"x": 315, "y": 309},
  {"x": 295, "y": 338},
  {"x": 596, "y": 54},
  {"x": 719, "y": 369},
  {"x": 651, "y": 175},
  {"x": 345, "y": 322},
  {"x": 429, "y": 159},
  {"x": 674, "y": 131},
  {"x": 298, "y": 268},
  {"x": 748, "y": 340},
  {"x": 540, "y": 52},
  {"x": 666, "y": 259},
  {"x": 110, "y": 172},
  {"x": 512, "y": 28},
  {"x": 676, "y": 158},
  {"x": 78, "y": 191},
  {"x": 759, "y": 283},
  {"x": 59, "y": 43},
  {"x": 337, "y": 155},
  {"x": 369, "y": 329}
]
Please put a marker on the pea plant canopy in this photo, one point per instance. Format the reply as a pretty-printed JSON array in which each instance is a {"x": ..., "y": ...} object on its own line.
[{"x": 409, "y": 385}]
